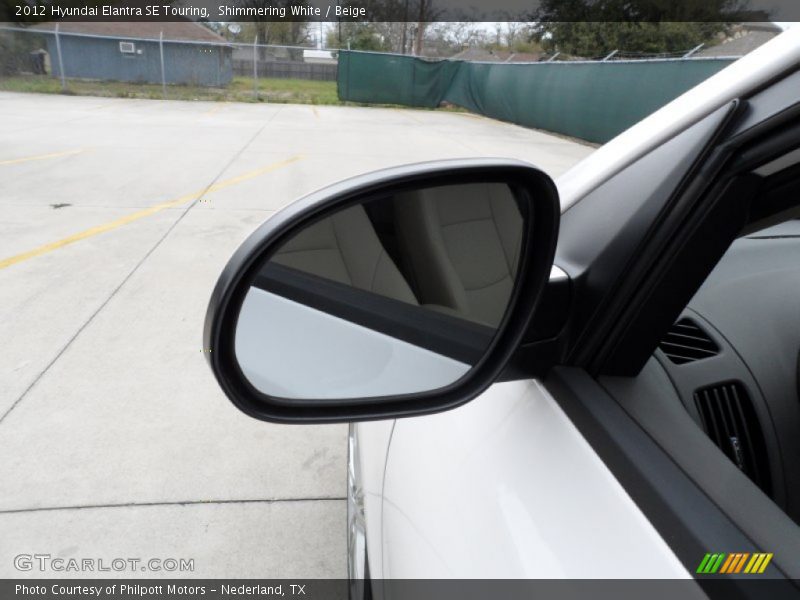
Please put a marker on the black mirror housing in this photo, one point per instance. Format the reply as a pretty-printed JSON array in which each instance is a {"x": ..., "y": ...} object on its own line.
[{"x": 264, "y": 353}]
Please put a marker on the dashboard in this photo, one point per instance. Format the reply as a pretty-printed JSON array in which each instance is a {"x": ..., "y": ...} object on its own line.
[{"x": 733, "y": 358}]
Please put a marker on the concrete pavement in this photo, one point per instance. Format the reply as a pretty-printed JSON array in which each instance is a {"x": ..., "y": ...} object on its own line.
[{"x": 116, "y": 217}]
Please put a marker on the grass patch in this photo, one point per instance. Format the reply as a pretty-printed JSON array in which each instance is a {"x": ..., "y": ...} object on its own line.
[
  {"x": 290, "y": 91},
  {"x": 275, "y": 91},
  {"x": 284, "y": 91}
]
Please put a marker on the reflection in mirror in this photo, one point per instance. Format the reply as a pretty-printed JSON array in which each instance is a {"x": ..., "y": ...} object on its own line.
[{"x": 399, "y": 294}]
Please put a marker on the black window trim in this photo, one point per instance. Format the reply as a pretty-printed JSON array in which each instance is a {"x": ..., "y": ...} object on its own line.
[{"x": 459, "y": 339}]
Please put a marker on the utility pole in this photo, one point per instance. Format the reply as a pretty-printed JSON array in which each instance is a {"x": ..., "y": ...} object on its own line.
[
  {"x": 255, "y": 66},
  {"x": 60, "y": 61},
  {"x": 163, "y": 74},
  {"x": 339, "y": 25}
]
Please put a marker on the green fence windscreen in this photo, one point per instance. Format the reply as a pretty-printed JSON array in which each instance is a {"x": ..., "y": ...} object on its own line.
[{"x": 590, "y": 100}]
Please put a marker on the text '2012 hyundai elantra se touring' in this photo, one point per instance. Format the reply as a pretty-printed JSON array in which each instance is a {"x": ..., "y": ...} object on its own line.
[{"x": 608, "y": 365}]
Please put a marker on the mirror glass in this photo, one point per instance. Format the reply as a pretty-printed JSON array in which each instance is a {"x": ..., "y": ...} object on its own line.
[{"x": 399, "y": 294}]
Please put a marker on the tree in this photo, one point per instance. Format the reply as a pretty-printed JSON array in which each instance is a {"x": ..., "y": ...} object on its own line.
[
  {"x": 279, "y": 32},
  {"x": 593, "y": 29},
  {"x": 393, "y": 26},
  {"x": 452, "y": 37},
  {"x": 394, "y": 35},
  {"x": 385, "y": 29},
  {"x": 595, "y": 40},
  {"x": 516, "y": 36},
  {"x": 426, "y": 12},
  {"x": 359, "y": 36},
  {"x": 653, "y": 11}
]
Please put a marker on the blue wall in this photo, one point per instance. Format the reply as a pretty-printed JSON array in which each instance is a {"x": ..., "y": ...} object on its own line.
[{"x": 100, "y": 58}]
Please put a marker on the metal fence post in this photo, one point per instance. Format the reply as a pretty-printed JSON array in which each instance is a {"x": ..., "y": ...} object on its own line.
[
  {"x": 692, "y": 51},
  {"x": 60, "y": 61},
  {"x": 163, "y": 74},
  {"x": 610, "y": 55},
  {"x": 255, "y": 67}
]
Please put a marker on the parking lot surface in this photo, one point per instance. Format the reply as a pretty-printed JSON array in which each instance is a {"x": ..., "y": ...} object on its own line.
[{"x": 116, "y": 217}]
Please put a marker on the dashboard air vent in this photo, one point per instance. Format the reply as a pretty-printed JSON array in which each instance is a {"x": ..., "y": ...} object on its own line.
[
  {"x": 687, "y": 342},
  {"x": 730, "y": 420}
]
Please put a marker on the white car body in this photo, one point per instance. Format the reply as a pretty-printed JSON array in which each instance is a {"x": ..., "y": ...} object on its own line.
[{"x": 506, "y": 486}]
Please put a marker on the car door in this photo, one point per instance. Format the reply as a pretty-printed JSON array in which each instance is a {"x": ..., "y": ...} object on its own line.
[
  {"x": 543, "y": 473},
  {"x": 730, "y": 193},
  {"x": 510, "y": 465}
]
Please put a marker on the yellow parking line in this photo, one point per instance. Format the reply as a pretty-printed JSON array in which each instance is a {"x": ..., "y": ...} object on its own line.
[
  {"x": 92, "y": 231},
  {"x": 217, "y": 108},
  {"x": 15, "y": 161}
]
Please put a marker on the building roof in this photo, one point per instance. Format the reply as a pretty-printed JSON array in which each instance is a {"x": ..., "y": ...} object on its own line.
[
  {"x": 184, "y": 31},
  {"x": 745, "y": 39}
]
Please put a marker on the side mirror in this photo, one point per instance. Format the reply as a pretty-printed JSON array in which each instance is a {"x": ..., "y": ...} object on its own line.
[{"x": 398, "y": 293}]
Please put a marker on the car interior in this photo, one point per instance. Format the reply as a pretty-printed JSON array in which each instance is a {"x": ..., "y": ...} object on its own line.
[
  {"x": 345, "y": 247},
  {"x": 733, "y": 359},
  {"x": 729, "y": 366},
  {"x": 461, "y": 247},
  {"x": 453, "y": 249}
]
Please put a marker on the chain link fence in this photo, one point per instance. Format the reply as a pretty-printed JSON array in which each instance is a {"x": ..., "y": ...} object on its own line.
[
  {"x": 590, "y": 100},
  {"x": 141, "y": 60},
  {"x": 189, "y": 61},
  {"x": 284, "y": 62}
]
